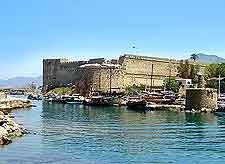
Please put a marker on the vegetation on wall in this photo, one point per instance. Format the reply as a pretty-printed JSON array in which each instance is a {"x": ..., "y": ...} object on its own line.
[
  {"x": 135, "y": 88},
  {"x": 61, "y": 91}
]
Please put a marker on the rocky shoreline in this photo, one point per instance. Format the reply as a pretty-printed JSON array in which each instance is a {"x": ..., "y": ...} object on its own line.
[
  {"x": 8, "y": 105},
  {"x": 9, "y": 129}
]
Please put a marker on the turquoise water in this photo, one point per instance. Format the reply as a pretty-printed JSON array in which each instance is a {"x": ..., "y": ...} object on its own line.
[{"x": 75, "y": 134}]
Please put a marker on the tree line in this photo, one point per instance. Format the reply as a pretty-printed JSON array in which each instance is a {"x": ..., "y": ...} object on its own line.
[{"x": 190, "y": 69}]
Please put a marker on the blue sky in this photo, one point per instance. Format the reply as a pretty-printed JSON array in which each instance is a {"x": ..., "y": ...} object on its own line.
[{"x": 31, "y": 30}]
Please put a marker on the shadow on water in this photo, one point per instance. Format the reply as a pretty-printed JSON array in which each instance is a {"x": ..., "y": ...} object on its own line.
[{"x": 199, "y": 119}]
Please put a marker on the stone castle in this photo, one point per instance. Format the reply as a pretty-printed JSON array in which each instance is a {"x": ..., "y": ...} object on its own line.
[{"x": 108, "y": 76}]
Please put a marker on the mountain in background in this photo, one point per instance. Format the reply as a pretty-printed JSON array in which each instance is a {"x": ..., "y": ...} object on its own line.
[
  {"x": 209, "y": 59},
  {"x": 19, "y": 82}
]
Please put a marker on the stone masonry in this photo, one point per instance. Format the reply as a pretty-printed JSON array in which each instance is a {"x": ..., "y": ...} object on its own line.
[{"x": 129, "y": 70}]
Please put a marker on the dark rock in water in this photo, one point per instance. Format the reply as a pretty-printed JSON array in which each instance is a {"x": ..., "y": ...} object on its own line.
[
  {"x": 5, "y": 140},
  {"x": 2, "y": 122},
  {"x": 25, "y": 131},
  {"x": 5, "y": 112},
  {"x": 11, "y": 116}
]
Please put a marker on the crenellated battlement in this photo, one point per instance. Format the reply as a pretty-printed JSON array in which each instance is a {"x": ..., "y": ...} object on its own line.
[{"x": 131, "y": 56}]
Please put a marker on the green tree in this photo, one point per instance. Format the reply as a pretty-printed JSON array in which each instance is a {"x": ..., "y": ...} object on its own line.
[
  {"x": 211, "y": 70},
  {"x": 61, "y": 91},
  {"x": 171, "y": 84},
  {"x": 135, "y": 88},
  {"x": 215, "y": 70},
  {"x": 194, "y": 69},
  {"x": 186, "y": 70},
  {"x": 194, "y": 57}
]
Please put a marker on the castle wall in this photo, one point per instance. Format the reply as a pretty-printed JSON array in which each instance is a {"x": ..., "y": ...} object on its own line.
[
  {"x": 58, "y": 73},
  {"x": 113, "y": 77},
  {"x": 132, "y": 69},
  {"x": 140, "y": 70}
]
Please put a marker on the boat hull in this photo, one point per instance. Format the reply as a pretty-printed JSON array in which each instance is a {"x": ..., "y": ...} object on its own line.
[{"x": 136, "y": 105}]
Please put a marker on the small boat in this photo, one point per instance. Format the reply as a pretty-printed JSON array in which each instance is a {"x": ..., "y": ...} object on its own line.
[
  {"x": 34, "y": 97},
  {"x": 161, "y": 98},
  {"x": 96, "y": 101},
  {"x": 136, "y": 103},
  {"x": 221, "y": 106},
  {"x": 58, "y": 99},
  {"x": 75, "y": 99},
  {"x": 221, "y": 98}
]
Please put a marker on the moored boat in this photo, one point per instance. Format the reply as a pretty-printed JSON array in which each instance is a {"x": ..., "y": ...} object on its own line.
[
  {"x": 34, "y": 97},
  {"x": 75, "y": 99},
  {"x": 221, "y": 106},
  {"x": 160, "y": 98},
  {"x": 97, "y": 101},
  {"x": 136, "y": 103}
]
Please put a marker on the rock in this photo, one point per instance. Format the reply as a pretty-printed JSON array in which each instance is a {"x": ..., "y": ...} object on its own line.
[
  {"x": 2, "y": 122},
  {"x": 2, "y": 113},
  {"x": 25, "y": 131},
  {"x": 203, "y": 109},
  {"x": 8, "y": 127},
  {"x": 3, "y": 132},
  {"x": 5, "y": 112},
  {"x": 11, "y": 116},
  {"x": 5, "y": 140},
  {"x": 2, "y": 117},
  {"x": 208, "y": 110}
]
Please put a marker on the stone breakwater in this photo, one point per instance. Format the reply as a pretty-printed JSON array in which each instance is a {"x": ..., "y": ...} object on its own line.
[
  {"x": 9, "y": 129},
  {"x": 14, "y": 104}
]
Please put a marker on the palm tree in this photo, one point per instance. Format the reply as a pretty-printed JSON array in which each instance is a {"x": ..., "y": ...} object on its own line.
[{"x": 194, "y": 57}]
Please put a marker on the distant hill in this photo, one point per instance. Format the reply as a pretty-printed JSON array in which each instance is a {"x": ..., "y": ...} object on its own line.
[
  {"x": 18, "y": 82},
  {"x": 209, "y": 59}
]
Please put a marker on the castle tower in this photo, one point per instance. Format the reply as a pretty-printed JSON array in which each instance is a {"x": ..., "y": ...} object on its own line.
[{"x": 50, "y": 67}]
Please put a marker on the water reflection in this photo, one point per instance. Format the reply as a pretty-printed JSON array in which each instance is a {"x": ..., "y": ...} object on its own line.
[{"x": 199, "y": 119}]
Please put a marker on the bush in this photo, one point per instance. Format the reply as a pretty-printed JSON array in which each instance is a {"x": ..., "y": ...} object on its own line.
[
  {"x": 215, "y": 85},
  {"x": 61, "y": 91},
  {"x": 171, "y": 84},
  {"x": 135, "y": 88}
]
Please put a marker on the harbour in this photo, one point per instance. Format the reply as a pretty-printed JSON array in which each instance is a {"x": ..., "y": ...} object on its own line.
[
  {"x": 112, "y": 82},
  {"x": 79, "y": 134}
]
